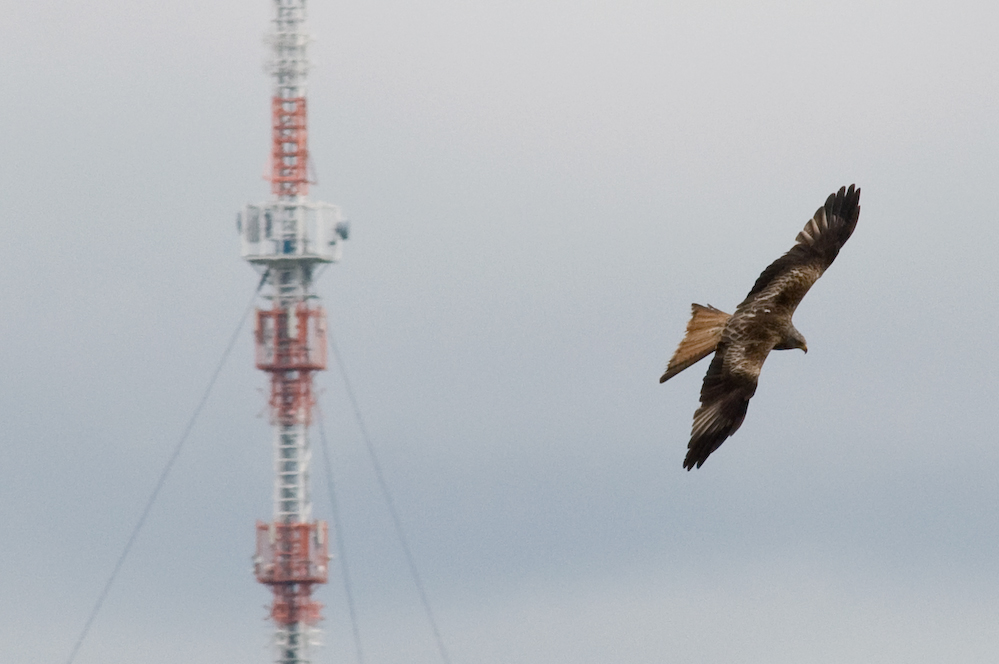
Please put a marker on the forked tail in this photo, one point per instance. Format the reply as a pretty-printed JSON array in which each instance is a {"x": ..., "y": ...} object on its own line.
[{"x": 704, "y": 331}]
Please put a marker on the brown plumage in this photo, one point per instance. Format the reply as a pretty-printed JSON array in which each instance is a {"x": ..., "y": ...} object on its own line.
[{"x": 742, "y": 341}]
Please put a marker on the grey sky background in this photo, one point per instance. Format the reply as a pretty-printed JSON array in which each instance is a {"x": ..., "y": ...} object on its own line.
[{"x": 538, "y": 191}]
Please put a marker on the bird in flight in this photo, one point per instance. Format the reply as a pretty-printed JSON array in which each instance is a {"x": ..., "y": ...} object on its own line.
[{"x": 761, "y": 323}]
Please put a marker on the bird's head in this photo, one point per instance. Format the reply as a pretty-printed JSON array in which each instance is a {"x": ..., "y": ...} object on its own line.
[{"x": 793, "y": 339}]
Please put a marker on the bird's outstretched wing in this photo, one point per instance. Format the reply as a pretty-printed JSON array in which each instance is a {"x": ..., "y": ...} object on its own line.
[
  {"x": 748, "y": 336},
  {"x": 789, "y": 277},
  {"x": 728, "y": 386}
]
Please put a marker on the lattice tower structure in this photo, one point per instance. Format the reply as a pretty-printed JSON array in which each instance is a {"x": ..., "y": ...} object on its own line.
[{"x": 289, "y": 240}]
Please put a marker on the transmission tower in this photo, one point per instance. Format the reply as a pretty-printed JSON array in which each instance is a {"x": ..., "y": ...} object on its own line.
[{"x": 288, "y": 240}]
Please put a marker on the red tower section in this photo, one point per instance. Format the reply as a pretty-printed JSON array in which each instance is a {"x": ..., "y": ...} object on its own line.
[
  {"x": 290, "y": 147},
  {"x": 291, "y": 344},
  {"x": 290, "y": 559}
]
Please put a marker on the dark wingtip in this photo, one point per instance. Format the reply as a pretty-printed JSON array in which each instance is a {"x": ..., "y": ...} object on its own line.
[
  {"x": 689, "y": 462},
  {"x": 844, "y": 204}
]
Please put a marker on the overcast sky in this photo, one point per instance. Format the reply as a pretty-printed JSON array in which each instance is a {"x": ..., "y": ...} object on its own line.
[{"x": 537, "y": 192}]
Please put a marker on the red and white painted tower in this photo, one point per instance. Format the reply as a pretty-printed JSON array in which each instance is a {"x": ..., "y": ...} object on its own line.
[{"x": 289, "y": 240}]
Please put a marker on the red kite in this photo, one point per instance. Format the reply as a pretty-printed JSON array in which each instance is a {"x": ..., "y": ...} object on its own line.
[{"x": 742, "y": 341}]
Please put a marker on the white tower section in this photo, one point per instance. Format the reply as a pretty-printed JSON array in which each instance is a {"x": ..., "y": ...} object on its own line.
[{"x": 287, "y": 239}]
